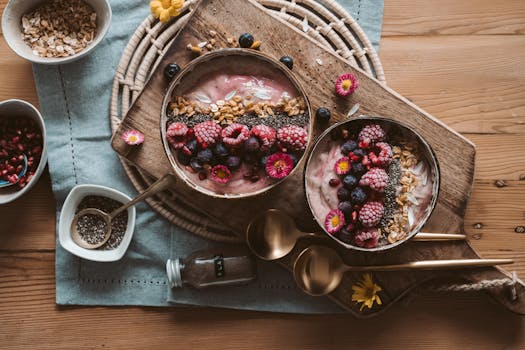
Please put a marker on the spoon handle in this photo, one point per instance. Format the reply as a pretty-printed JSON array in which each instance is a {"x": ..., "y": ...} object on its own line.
[
  {"x": 422, "y": 236},
  {"x": 158, "y": 186},
  {"x": 433, "y": 265}
]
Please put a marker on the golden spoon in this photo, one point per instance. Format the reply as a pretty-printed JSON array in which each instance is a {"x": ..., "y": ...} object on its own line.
[
  {"x": 158, "y": 186},
  {"x": 273, "y": 234},
  {"x": 318, "y": 270}
]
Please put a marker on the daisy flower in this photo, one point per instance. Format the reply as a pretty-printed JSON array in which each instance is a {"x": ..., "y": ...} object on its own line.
[
  {"x": 334, "y": 221},
  {"x": 220, "y": 174},
  {"x": 366, "y": 292},
  {"x": 346, "y": 84},
  {"x": 133, "y": 137},
  {"x": 165, "y": 9},
  {"x": 279, "y": 165}
]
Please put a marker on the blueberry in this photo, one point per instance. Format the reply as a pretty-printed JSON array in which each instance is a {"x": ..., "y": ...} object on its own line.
[
  {"x": 205, "y": 155},
  {"x": 252, "y": 144},
  {"x": 264, "y": 159},
  {"x": 345, "y": 236},
  {"x": 287, "y": 61},
  {"x": 193, "y": 146},
  {"x": 346, "y": 207},
  {"x": 183, "y": 158},
  {"x": 196, "y": 164},
  {"x": 221, "y": 150},
  {"x": 348, "y": 147},
  {"x": 350, "y": 181},
  {"x": 295, "y": 159},
  {"x": 359, "y": 152},
  {"x": 233, "y": 162},
  {"x": 343, "y": 194},
  {"x": 171, "y": 70},
  {"x": 358, "y": 169},
  {"x": 246, "y": 40},
  {"x": 358, "y": 195},
  {"x": 323, "y": 114}
]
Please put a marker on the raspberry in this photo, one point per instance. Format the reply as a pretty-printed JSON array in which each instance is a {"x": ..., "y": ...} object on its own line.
[
  {"x": 293, "y": 137},
  {"x": 235, "y": 134},
  {"x": 207, "y": 133},
  {"x": 367, "y": 238},
  {"x": 384, "y": 157},
  {"x": 371, "y": 134},
  {"x": 176, "y": 134},
  {"x": 334, "y": 221},
  {"x": 266, "y": 134},
  {"x": 376, "y": 179},
  {"x": 371, "y": 213}
]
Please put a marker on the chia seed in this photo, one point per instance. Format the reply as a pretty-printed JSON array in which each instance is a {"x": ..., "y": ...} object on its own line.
[
  {"x": 90, "y": 226},
  {"x": 190, "y": 121},
  {"x": 389, "y": 201}
]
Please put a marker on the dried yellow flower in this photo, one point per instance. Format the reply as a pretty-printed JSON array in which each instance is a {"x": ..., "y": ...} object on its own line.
[
  {"x": 165, "y": 9},
  {"x": 365, "y": 292}
]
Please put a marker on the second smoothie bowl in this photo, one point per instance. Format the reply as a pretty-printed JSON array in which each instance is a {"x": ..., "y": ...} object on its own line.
[{"x": 235, "y": 123}]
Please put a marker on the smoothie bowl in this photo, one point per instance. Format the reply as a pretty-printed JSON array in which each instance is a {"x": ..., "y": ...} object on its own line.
[
  {"x": 235, "y": 123},
  {"x": 371, "y": 183}
]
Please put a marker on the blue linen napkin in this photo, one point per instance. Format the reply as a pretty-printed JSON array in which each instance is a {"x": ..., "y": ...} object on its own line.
[{"x": 74, "y": 99}]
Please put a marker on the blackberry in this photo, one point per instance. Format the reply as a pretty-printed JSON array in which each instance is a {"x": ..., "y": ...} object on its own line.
[
  {"x": 171, "y": 70},
  {"x": 221, "y": 150},
  {"x": 350, "y": 181},
  {"x": 345, "y": 236},
  {"x": 323, "y": 114},
  {"x": 192, "y": 146},
  {"x": 358, "y": 169},
  {"x": 287, "y": 61},
  {"x": 346, "y": 207},
  {"x": 205, "y": 155},
  {"x": 348, "y": 147},
  {"x": 246, "y": 40},
  {"x": 196, "y": 164},
  {"x": 233, "y": 162},
  {"x": 343, "y": 194},
  {"x": 358, "y": 195}
]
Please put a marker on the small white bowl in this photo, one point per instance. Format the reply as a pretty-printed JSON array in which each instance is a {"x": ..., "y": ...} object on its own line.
[
  {"x": 15, "y": 108},
  {"x": 12, "y": 29},
  {"x": 67, "y": 213}
]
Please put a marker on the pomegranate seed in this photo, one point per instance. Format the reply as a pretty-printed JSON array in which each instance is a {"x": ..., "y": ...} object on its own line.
[
  {"x": 202, "y": 176},
  {"x": 334, "y": 182}
]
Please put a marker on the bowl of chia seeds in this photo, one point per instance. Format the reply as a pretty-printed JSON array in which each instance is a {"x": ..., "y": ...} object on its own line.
[
  {"x": 91, "y": 228},
  {"x": 371, "y": 183}
]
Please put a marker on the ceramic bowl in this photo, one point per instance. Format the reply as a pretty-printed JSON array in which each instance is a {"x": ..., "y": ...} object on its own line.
[
  {"x": 15, "y": 108},
  {"x": 12, "y": 23},
  {"x": 229, "y": 61},
  {"x": 67, "y": 213},
  {"x": 395, "y": 131}
]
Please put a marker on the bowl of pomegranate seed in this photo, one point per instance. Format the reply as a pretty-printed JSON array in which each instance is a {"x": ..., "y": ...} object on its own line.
[
  {"x": 371, "y": 183},
  {"x": 23, "y": 154},
  {"x": 235, "y": 123}
]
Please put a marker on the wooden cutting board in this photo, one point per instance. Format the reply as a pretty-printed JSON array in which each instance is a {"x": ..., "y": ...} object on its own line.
[{"x": 317, "y": 68}]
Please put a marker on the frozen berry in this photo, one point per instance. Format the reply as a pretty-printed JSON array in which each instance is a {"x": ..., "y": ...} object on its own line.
[
  {"x": 343, "y": 194},
  {"x": 323, "y": 114},
  {"x": 195, "y": 164},
  {"x": 348, "y": 147},
  {"x": 358, "y": 169},
  {"x": 265, "y": 134},
  {"x": 207, "y": 133},
  {"x": 205, "y": 155},
  {"x": 350, "y": 181},
  {"x": 252, "y": 144},
  {"x": 287, "y": 61},
  {"x": 235, "y": 134},
  {"x": 346, "y": 207},
  {"x": 176, "y": 134},
  {"x": 358, "y": 195},
  {"x": 293, "y": 137},
  {"x": 246, "y": 40},
  {"x": 384, "y": 155},
  {"x": 342, "y": 166},
  {"x": 376, "y": 179},
  {"x": 367, "y": 238},
  {"x": 171, "y": 70},
  {"x": 334, "y": 221},
  {"x": 334, "y": 182},
  {"x": 233, "y": 162},
  {"x": 371, "y": 213},
  {"x": 371, "y": 134},
  {"x": 221, "y": 150}
]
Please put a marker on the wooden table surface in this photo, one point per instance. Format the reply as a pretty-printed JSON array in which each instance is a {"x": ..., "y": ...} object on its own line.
[{"x": 461, "y": 60}]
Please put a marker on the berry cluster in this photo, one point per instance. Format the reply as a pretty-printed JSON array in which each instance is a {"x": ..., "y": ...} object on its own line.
[
  {"x": 19, "y": 138},
  {"x": 360, "y": 185},
  {"x": 210, "y": 150}
]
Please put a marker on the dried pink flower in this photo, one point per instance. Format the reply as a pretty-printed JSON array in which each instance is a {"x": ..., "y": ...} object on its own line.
[
  {"x": 133, "y": 137},
  {"x": 279, "y": 165},
  {"x": 346, "y": 84},
  {"x": 220, "y": 174}
]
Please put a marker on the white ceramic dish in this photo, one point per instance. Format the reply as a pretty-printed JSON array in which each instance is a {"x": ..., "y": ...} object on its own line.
[
  {"x": 21, "y": 108},
  {"x": 12, "y": 23},
  {"x": 68, "y": 212}
]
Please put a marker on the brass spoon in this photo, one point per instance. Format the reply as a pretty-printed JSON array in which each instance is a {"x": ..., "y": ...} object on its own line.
[
  {"x": 273, "y": 234},
  {"x": 158, "y": 186},
  {"x": 318, "y": 270}
]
